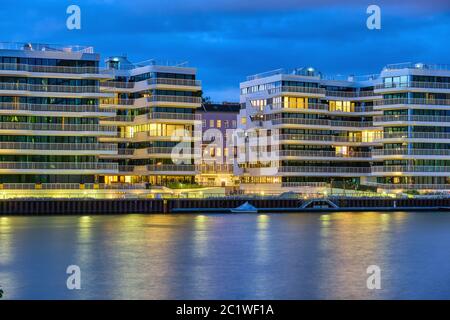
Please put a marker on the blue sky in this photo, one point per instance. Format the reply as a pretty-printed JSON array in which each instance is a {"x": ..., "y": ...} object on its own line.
[{"x": 230, "y": 39}]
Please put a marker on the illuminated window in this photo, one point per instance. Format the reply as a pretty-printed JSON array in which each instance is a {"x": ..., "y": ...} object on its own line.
[
  {"x": 219, "y": 152},
  {"x": 243, "y": 120},
  {"x": 219, "y": 123},
  {"x": 211, "y": 123}
]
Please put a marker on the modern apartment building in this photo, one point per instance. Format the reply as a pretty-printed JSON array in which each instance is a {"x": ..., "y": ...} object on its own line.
[
  {"x": 317, "y": 133},
  {"x": 50, "y": 119},
  {"x": 219, "y": 121},
  {"x": 415, "y": 118},
  {"x": 159, "y": 133}
]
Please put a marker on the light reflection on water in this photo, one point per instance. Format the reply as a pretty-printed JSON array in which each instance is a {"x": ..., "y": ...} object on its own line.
[{"x": 261, "y": 256}]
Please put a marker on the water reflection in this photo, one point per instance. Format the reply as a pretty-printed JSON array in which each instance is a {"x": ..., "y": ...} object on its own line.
[{"x": 280, "y": 256}]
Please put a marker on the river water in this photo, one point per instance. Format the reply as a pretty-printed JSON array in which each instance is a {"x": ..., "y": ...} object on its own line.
[{"x": 273, "y": 256}]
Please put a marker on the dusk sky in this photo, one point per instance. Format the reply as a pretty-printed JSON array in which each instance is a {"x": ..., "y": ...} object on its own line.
[{"x": 230, "y": 39}]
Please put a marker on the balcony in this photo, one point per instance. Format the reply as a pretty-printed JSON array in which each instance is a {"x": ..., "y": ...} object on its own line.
[
  {"x": 315, "y": 154},
  {"x": 414, "y": 85},
  {"x": 330, "y": 124},
  {"x": 116, "y": 85},
  {"x": 49, "y": 88},
  {"x": 49, "y": 69},
  {"x": 328, "y": 171},
  {"x": 174, "y": 82},
  {"x": 172, "y": 169},
  {"x": 29, "y": 108},
  {"x": 168, "y": 151},
  {"x": 39, "y": 128},
  {"x": 419, "y": 136},
  {"x": 412, "y": 119},
  {"x": 410, "y": 170},
  {"x": 392, "y": 186},
  {"x": 216, "y": 168},
  {"x": 55, "y": 148},
  {"x": 351, "y": 94},
  {"x": 174, "y": 99},
  {"x": 412, "y": 101},
  {"x": 322, "y": 139},
  {"x": 413, "y": 153},
  {"x": 174, "y": 116},
  {"x": 58, "y": 167},
  {"x": 297, "y": 89},
  {"x": 71, "y": 186},
  {"x": 305, "y": 184}
]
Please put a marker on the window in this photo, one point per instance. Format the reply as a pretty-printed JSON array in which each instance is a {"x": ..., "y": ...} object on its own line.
[
  {"x": 219, "y": 123},
  {"x": 243, "y": 120},
  {"x": 233, "y": 123},
  {"x": 211, "y": 123},
  {"x": 204, "y": 123},
  {"x": 219, "y": 152},
  {"x": 225, "y": 123}
]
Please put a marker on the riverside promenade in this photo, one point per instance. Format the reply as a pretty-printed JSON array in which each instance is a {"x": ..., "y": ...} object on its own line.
[{"x": 217, "y": 205}]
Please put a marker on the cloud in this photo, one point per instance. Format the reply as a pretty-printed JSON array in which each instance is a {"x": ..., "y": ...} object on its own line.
[{"x": 228, "y": 40}]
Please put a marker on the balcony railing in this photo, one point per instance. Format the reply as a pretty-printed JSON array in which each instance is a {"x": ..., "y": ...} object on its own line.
[
  {"x": 176, "y": 99},
  {"x": 409, "y": 118},
  {"x": 58, "y": 146},
  {"x": 216, "y": 168},
  {"x": 168, "y": 150},
  {"x": 55, "y": 127},
  {"x": 307, "y": 106},
  {"x": 323, "y": 122},
  {"x": 119, "y": 118},
  {"x": 414, "y": 135},
  {"x": 53, "y": 107},
  {"x": 311, "y": 169},
  {"x": 411, "y": 152},
  {"x": 395, "y": 169},
  {"x": 350, "y": 94},
  {"x": 318, "y": 154},
  {"x": 298, "y": 89},
  {"x": 174, "y": 82},
  {"x": 325, "y": 138},
  {"x": 71, "y": 186},
  {"x": 48, "y": 69},
  {"x": 48, "y": 88},
  {"x": 117, "y": 84},
  {"x": 172, "y": 167},
  {"x": 419, "y": 186},
  {"x": 305, "y": 184},
  {"x": 174, "y": 116},
  {"x": 417, "y": 101},
  {"x": 414, "y": 84},
  {"x": 58, "y": 166}
]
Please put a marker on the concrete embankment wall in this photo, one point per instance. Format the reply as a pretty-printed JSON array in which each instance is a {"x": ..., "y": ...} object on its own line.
[{"x": 121, "y": 206}]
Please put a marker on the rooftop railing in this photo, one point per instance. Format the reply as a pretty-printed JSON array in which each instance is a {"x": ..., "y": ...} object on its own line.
[
  {"x": 26, "y": 46},
  {"x": 299, "y": 89},
  {"x": 420, "y": 66}
]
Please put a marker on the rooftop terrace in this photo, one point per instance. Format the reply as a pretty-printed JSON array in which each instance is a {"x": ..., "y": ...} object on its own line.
[{"x": 26, "y": 46}]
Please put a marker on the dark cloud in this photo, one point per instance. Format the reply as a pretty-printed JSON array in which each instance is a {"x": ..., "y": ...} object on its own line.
[{"x": 229, "y": 39}]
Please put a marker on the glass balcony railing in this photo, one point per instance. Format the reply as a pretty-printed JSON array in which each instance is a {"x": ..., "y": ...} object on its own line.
[
  {"x": 58, "y": 166},
  {"x": 53, "y": 108},
  {"x": 56, "y": 127},
  {"x": 58, "y": 146}
]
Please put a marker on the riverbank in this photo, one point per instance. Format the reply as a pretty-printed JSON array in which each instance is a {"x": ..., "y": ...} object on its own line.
[{"x": 216, "y": 205}]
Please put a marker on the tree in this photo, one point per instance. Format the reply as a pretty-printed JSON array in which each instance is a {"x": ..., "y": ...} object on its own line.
[{"x": 1, "y": 292}]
